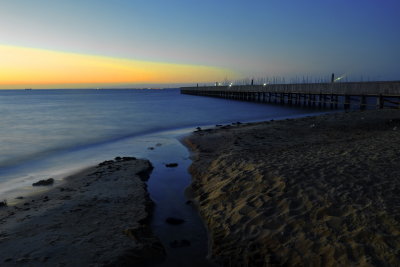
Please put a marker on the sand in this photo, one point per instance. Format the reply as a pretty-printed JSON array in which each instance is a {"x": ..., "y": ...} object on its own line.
[
  {"x": 98, "y": 217},
  {"x": 315, "y": 191}
]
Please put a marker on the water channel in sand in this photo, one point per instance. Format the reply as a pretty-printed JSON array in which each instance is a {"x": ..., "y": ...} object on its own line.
[{"x": 166, "y": 187}]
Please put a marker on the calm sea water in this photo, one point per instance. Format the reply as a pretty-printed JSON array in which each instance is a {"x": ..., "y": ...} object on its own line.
[
  {"x": 49, "y": 133},
  {"x": 53, "y": 133}
]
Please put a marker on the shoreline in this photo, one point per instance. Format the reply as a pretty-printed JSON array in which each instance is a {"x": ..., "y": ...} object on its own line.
[
  {"x": 82, "y": 221},
  {"x": 318, "y": 190},
  {"x": 24, "y": 187}
]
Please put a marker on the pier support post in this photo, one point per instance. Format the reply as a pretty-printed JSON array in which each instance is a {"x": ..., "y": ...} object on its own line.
[
  {"x": 347, "y": 102},
  {"x": 363, "y": 102},
  {"x": 380, "y": 101},
  {"x": 336, "y": 101},
  {"x": 290, "y": 99}
]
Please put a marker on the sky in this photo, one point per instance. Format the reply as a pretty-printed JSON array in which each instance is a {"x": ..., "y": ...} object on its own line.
[{"x": 158, "y": 43}]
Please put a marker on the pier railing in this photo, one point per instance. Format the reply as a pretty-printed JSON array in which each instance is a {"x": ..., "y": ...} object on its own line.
[
  {"x": 341, "y": 88},
  {"x": 383, "y": 94}
]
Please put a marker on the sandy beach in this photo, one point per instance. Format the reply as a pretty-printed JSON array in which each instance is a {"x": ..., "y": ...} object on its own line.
[
  {"x": 314, "y": 191},
  {"x": 98, "y": 217}
]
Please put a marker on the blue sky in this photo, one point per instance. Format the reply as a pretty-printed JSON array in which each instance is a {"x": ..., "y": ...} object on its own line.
[{"x": 251, "y": 38}]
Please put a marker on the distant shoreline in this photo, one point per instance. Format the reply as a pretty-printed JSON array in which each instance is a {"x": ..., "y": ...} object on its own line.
[{"x": 319, "y": 190}]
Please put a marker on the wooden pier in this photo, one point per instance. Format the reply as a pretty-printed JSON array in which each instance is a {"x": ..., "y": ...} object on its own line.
[{"x": 323, "y": 95}]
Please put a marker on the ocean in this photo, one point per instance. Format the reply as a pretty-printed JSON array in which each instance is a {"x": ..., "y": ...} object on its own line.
[
  {"x": 50, "y": 133},
  {"x": 54, "y": 133}
]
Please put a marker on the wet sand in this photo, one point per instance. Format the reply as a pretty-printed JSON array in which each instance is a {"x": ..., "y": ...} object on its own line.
[
  {"x": 98, "y": 217},
  {"x": 315, "y": 191}
]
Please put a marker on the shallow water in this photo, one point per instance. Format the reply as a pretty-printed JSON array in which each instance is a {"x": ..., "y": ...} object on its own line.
[{"x": 166, "y": 187}]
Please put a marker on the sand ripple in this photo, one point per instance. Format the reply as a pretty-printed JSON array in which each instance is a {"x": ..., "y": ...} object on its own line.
[{"x": 285, "y": 193}]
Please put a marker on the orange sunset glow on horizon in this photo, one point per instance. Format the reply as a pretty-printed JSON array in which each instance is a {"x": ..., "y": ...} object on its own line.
[{"x": 22, "y": 67}]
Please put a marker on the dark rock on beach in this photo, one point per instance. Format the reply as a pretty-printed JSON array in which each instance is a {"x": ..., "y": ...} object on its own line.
[
  {"x": 145, "y": 174},
  {"x": 171, "y": 165},
  {"x": 174, "y": 221},
  {"x": 49, "y": 181},
  {"x": 105, "y": 163},
  {"x": 3, "y": 203},
  {"x": 128, "y": 158},
  {"x": 124, "y": 158}
]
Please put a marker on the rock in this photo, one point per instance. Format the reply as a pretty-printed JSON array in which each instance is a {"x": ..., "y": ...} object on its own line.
[
  {"x": 144, "y": 175},
  {"x": 105, "y": 163},
  {"x": 171, "y": 165},
  {"x": 49, "y": 181},
  {"x": 118, "y": 158},
  {"x": 128, "y": 158},
  {"x": 180, "y": 243},
  {"x": 20, "y": 197},
  {"x": 198, "y": 128},
  {"x": 174, "y": 221},
  {"x": 3, "y": 204},
  {"x": 150, "y": 148}
]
